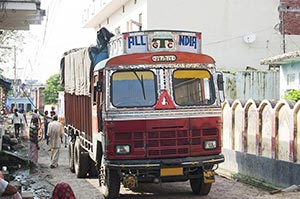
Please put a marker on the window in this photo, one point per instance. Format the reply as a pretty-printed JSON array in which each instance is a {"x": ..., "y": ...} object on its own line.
[
  {"x": 21, "y": 106},
  {"x": 28, "y": 107},
  {"x": 290, "y": 79},
  {"x": 193, "y": 87},
  {"x": 133, "y": 89}
]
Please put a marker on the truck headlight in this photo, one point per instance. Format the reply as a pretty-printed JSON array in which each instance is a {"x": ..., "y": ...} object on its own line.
[
  {"x": 122, "y": 149},
  {"x": 210, "y": 144}
]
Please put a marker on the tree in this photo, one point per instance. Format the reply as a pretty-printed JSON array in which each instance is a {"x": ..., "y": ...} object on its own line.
[
  {"x": 292, "y": 95},
  {"x": 10, "y": 38},
  {"x": 51, "y": 89}
]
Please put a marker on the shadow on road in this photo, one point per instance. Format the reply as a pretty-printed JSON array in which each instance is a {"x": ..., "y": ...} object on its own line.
[{"x": 161, "y": 191}]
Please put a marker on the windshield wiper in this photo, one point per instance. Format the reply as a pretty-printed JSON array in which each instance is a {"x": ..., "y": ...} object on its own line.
[{"x": 141, "y": 80}]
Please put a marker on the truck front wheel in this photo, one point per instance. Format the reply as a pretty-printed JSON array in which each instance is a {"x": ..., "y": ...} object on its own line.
[
  {"x": 199, "y": 187},
  {"x": 81, "y": 160},
  {"x": 110, "y": 185}
]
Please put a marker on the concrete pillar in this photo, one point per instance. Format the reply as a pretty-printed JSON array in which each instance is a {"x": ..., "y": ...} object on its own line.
[
  {"x": 267, "y": 128},
  {"x": 285, "y": 135},
  {"x": 252, "y": 128},
  {"x": 227, "y": 126},
  {"x": 239, "y": 127}
]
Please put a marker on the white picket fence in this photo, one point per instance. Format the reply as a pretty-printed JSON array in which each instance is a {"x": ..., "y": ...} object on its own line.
[{"x": 263, "y": 128}]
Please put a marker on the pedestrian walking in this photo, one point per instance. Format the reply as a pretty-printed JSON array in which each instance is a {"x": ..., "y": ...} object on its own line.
[
  {"x": 34, "y": 144},
  {"x": 23, "y": 124},
  {"x": 47, "y": 120},
  {"x": 17, "y": 117},
  {"x": 55, "y": 135},
  {"x": 35, "y": 114}
]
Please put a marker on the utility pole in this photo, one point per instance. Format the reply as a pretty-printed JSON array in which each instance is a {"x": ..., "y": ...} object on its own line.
[
  {"x": 283, "y": 32},
  {"x": 15, "y": 76}
]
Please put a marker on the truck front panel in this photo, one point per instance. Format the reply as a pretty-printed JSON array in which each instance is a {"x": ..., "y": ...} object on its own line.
[{"x": 163, "y": 138}]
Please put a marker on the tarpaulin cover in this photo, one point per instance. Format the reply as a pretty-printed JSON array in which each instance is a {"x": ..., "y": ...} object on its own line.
[
  {"x": 100, "y": 51},
  {"x": 77, "y": 64},
  {"x": 76, "y": 72}
]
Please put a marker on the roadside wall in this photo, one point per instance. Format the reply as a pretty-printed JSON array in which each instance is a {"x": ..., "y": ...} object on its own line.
[
  {"x": 257, "y": 85},
  {"x": 261, "y": 139}
]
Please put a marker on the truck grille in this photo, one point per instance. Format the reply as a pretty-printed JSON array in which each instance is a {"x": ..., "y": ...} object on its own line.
[
  {"x": 167, "y": 144},
  {"x": 163, "y": 138}
]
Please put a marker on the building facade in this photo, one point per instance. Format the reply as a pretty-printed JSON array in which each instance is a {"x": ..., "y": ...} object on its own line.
[
  {"x": 237, "y": 33},
  {"x": 20, "y": 14},
  {"x": 23, "y": 103},
  {"x": 289, "y": 70}
]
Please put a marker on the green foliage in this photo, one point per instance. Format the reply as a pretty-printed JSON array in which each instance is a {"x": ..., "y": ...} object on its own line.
[
  {"x": 51, "y": 90},
  {"x": 292, "y": 95}
]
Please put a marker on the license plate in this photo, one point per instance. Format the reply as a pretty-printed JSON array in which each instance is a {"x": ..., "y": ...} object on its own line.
[
  {"x": 171, "y": 171},
  {"x": 208, "y": 176}
]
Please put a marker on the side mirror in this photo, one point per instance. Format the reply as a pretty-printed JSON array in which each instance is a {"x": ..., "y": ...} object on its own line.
[
  {"x": 220, "y": 84},
  {"x": 220, "y": 81}
]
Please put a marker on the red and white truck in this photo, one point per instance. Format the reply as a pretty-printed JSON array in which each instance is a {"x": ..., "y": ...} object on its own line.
[{"x": 149, "y": 113}]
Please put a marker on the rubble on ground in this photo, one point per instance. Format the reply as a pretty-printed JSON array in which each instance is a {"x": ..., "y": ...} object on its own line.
[{"x": 14, "y": 159}]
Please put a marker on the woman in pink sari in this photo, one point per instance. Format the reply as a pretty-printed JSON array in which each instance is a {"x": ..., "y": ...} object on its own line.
[
  {"x": 34, "y": 145},
  {"x": 63, "y": 191}
]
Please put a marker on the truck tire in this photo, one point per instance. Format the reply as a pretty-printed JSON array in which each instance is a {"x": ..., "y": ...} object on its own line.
[
  {"x": 71, "y": 157},
  {"x": 111, "y": 186},
  {"x": 199, "y": 187},
  {"x": 81, "y": 160}
]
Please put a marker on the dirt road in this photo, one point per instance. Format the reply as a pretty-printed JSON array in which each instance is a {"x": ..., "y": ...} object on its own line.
[{"x": 45, "y": 179}]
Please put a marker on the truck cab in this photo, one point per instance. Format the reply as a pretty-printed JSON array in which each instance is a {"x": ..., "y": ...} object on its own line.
[{"x": 155, "y": 113}]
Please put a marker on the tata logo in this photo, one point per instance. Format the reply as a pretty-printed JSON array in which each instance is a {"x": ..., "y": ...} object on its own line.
[
  {"x": 162, "y": 43},
  {"x": 185, "y": 40}
]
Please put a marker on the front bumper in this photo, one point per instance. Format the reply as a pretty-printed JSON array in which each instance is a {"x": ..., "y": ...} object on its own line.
[
  {"x": 166, "y": 170},
  {"x": 163, "y": 163}
]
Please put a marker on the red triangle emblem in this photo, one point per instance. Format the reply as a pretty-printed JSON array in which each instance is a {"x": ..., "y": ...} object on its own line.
[{"x": 164, "y": 101}]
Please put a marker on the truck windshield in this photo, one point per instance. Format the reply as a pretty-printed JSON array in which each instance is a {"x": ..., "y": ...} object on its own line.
[
  {"x": 193, "y": 87},
  {"x": 133, "y": 89}
]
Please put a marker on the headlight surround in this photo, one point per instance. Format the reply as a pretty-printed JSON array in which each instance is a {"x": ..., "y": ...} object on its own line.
[
  {"x": 210, "y": 144},
  {"x": 122, "y": 149}
]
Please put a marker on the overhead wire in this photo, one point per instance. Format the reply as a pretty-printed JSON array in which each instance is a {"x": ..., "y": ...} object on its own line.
[
  {"x": 236, "y": 37},
  {"x": 51, "y": 15}
]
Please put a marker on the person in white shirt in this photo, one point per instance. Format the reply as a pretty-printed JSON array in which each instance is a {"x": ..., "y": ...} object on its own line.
[
  {"x": 55, "y": 135},
  {"x": 23, "y": 123},
  {"x": 17, "y": 120}
]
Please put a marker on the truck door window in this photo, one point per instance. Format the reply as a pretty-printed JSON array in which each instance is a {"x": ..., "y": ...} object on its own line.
[
  {"x": 133, "y": 89},
  {"x": 193, "y": 87}
]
